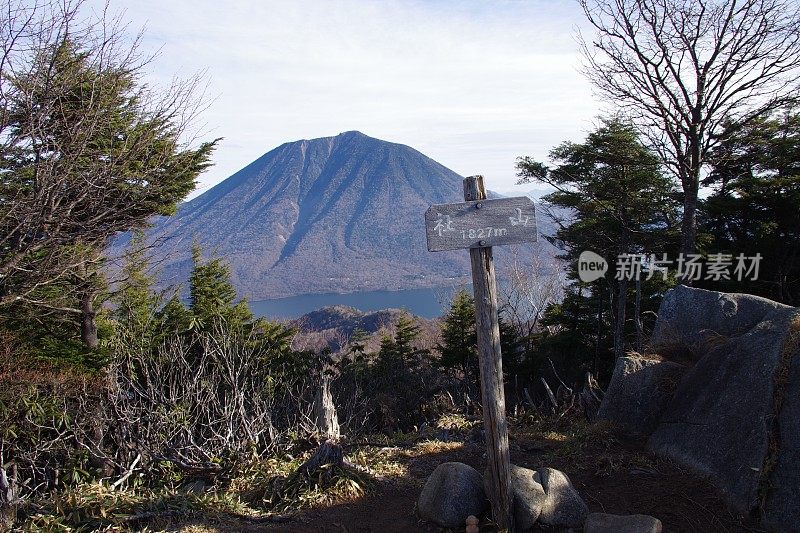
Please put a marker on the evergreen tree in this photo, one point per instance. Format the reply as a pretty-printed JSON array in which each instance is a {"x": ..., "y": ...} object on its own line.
[
  {"x": 88, "y": 151},
  {"x": 357, "y": 346},
  {"x": 174, "y": 317},
  {"x": 136, "y": 302},
  {"x": 399, "y": 351},
  {"x": 516, "y": 360},
  {"x": 212, "y": 296},
  {"x": 619, "y": 202},
  {"x": 754, "y": 209},
  {"x": 400, "y": 378},
  {"x": 458, "y": 348}
]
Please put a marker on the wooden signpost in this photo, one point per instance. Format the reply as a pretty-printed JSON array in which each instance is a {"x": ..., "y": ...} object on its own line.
[
  {"x": 477, "y": 225},
  {"x": 480, "y": 224}
]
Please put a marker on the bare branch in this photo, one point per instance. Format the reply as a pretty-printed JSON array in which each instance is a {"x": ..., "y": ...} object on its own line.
[{"x": 684, "y": 70}]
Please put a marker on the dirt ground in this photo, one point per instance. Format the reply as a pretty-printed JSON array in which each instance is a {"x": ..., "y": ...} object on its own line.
[{"x": 612, "y": 472}]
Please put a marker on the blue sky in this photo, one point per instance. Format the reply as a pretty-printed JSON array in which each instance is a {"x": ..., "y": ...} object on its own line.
[{"x": 472, "y": 84}]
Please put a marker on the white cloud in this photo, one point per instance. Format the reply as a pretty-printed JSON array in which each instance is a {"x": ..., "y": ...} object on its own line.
[{"x": 472, "y": 84}]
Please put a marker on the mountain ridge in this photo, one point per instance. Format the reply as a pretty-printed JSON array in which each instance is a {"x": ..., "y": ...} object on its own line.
[{"x": 331, "y": 214}]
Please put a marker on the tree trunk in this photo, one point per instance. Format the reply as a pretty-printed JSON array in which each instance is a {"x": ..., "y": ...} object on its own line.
[
  {"x": 619, "y": 319},
  {"x": 88, "y": 325},
  {"x": 638, "y": 315},
  {"x": 690, "y": 183},
  {"x": 329, "y": 453},
  {"x": 689, "y": 225},
  {"x": 326, "y": 419},
  {"x": 590, "y": 397},
  {"x": 600, "y": 293}
]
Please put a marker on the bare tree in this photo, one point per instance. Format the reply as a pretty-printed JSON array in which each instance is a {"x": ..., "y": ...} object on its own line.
[
  {"x": 86, "y": 148},
  {"x": 686, "y": 70},
  {"x": 532, "y": 282}
]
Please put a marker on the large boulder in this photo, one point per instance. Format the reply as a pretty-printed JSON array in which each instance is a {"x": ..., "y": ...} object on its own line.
[
  {"x": 529, "y": 496},
  {"x": 453, "y": 492},
  {"x": 782, "y": 504},
  {"x": 691, "y": 320},
  {"x": 720, "y": 419},
  {"x": 610, "y": 523},
  {"x": 563, "y": 506},
  {"x": 638, "y": 392}
]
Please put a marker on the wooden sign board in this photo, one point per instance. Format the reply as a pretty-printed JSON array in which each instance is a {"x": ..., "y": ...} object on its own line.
[{"x": 480, "y": 224}]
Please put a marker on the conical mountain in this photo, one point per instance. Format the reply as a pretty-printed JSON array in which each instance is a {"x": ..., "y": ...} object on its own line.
[{"x": 335, "y": 214}]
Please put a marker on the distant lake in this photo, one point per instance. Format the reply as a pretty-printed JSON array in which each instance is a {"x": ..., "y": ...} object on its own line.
[{"x": 427, "y": 303}]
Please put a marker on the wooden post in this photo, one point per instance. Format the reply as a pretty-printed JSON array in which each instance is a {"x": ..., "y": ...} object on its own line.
[
  {"x": 491, "y": 369},
  {"x": 479, "y": 224}
]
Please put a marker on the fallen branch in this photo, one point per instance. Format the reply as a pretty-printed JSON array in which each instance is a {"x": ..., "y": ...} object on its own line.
[
  {"x": 550, "y": 394},
  {"x": 128, "y": 473}
]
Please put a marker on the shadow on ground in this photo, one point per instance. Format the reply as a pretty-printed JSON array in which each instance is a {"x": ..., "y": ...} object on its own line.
[{"x": 612, "y": 472}]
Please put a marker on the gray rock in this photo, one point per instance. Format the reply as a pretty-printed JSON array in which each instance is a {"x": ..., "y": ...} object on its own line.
[
  {"x": 610, "y": 523},
  {"x": 452, "y": 493},
  {"x": 719, "y": 419},
  {"x": 638, "y": 392},
  {"x": 563, "y": 506},
  {"x": 782, "y": 505},
  {"x": 691, "y": 320},
  {"x": 529, "y": 496}
]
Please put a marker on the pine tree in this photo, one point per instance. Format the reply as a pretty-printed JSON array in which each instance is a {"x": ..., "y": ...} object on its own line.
[
  {"x": 88, "y": 151},
  {"x": 136, "y": 302},
  {"x": 174, "y": 317},
  {"x": 357, "y": 346},
  {"x": 459, "y": 346},
  {"x": 754, "y": 209},
  {"x": 398, "y": 354},
  {"x": 212, "y": 296},
  {"x": 406, "y": 332},
  {"x": 620, "y": 203}
]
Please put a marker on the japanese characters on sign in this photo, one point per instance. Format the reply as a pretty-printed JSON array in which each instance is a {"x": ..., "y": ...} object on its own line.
[{"x": 480, "y": 224}]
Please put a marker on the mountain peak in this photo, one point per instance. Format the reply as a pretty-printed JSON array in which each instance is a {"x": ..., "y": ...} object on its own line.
[
  {"x": 354, "y": 133},
  {"x": 345, "y": 135},
  {"x": 332, "y": 214}
]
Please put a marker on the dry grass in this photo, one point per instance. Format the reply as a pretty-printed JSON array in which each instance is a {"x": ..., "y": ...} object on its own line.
[
  {"x": 430, "y": 447},
  {"x": 456, "y": 422},
  {"x": 257, "y": 491},
  {"x": 261, "y": 490},
  {"x": 98, "y": 507},
  {"x": 268, "y": 488}
]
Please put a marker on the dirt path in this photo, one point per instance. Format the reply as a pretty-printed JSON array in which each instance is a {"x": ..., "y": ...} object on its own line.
[{"x": 613, "y": 474}]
